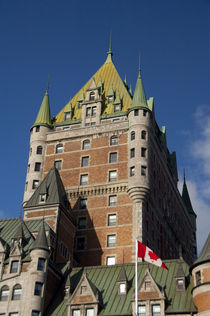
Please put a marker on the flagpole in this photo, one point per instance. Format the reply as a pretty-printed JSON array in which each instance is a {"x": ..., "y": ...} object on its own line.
[{"x": 136, "y": 281}]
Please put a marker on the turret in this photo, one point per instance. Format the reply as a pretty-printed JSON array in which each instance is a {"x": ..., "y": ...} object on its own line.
[
  {"x": 38, "y": 270},
  {"x": 201, "y": 280},
  {"x": 39, "y": 132}
]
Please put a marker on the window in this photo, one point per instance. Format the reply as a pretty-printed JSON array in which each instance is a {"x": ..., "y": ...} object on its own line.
[
  {"x": 86, "y": 144},
  {"x": 79, "y": 104},
  {"x": 59, "y": 149},
  {"x": 112, "y": 219},
  {"x": 83, "y": 203},
  {"x": 85, "y": 161},
  {"x": 83, "y": 289},
  {"x": 143, "y": 134},
  {"x": 143, "y": 170},
  {"x": 42, "y": 197},
  {"x": 113, "y": 140},
  {"x": 92, "y": 96},
  {"x": 155, "y": 310},
  {"x": 80, "y": 243},
  {"x": 132, "y": 171},
  {"x": 112, "y": 157},
  {"x": 4, "y": 293},
  {"x": 143, "y": 152},
  {"x": 132, "y": 153},
  {"x": 112, "y": 175},
  {"x": 81, "y": 223},
  {"x": 111, "y": 240},
  {"x": 38, "y": 289},
  {"x": 76, "y": 312},
  {"x": 142, "y": 310},
  {"x": 180, "y": 284},
  {"x": 26, "y": 186},
  {"x": 83, "y": 179},
  {"x": 198, "y": 277},
  {"x": 117, "y": 107},
  {"x": 136, "y": 112},
  {"x": 67, "y": 116},
  {"x": 14, "y": 266},
  {"x": 132, "y": 135},
  {"x": 37, "y": 166},
  {"x": 16, "y": 293},
  {"x": 37, "y": 129},
  {"x": 34, "y": 313},
  {"x": 94, "y": 111},
  {"x": 110, "y": 260},
  {"x": 13, "y": 314},
  {"x": 41, "y": 264},
  {"x": 144, "y": 112},
  {"x": 112, "y": 200},
  {"x": 57, "y": 164},
  {"x": 122, "y": 288},
  {"x": 88, "y": 112},
  {"x": 110, "y": 99},
  {"x": 90, "y": 312},
  {"x": 39, "y": 150}
]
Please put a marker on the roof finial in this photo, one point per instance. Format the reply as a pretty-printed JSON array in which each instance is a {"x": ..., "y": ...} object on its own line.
[
  {"x": 139, "y": 65},
  {"x": 184, "y": 176},
  {"x": 48, "y": 82},
  {"x": 109, "y": 54}
]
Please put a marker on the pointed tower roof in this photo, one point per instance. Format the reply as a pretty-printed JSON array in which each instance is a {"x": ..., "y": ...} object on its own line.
[
  {"x": 41, "y": 240},
  {"x": 52, "y": 186},
  {"x": 68, "y": 107},
  {"x": 19, "y": 232},
  {"x": 109, "y": 54},
  {"x": 139, "y": 97},
  {"x": 117, "y": 99},
  {"x": 186, "y": 198},
  {"x": 44, "y": 118},
  {"x": 122, "y": 276},
  {"x": 180, "y": 271},
  {"x": 204, "y": 255}
]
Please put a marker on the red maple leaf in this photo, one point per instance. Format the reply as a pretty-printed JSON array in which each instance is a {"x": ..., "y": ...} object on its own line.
[{"x": 153, "y": 255}]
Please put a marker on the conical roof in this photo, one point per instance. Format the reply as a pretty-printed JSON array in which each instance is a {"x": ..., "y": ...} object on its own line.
[
  {"x": 186, "y": 199},
  {"x": 41, "y": 240},
  {"x": 205, "y": 253},
  {"x": 52, "y": 186},
  {"x": 44, "y": 117},
  {"x": 139, "y": 97}
]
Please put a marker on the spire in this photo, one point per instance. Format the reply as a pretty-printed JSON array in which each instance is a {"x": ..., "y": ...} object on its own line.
[
  {"x": 41, "y": 240},
  {"x": 122, "y": 276},
  {"x": 109, "y": 54},
  {"x": 44, "y": 117},
  {"x": 186, "y": 198},
  {"x": 130, "y": 91},
  {"x": 139, "y": 97}
]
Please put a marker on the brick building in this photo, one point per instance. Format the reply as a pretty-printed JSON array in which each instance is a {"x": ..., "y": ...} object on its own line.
[{"x": 99, "y": 176}]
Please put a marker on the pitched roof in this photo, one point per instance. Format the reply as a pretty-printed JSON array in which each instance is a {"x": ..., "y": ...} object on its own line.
[
  {"x": 107, "y": 76},
  {"x": 186, "y": 198},
  {"x": 41, "y": 240},
  {"x": 139, "y": 97},
  {"x": 105, "y": 279},
  {"x": 44, "y": 117},
  {"x": 52, "y": 186}
]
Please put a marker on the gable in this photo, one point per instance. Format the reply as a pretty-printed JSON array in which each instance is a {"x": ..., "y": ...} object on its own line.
[{"x": 149, "y": 289}]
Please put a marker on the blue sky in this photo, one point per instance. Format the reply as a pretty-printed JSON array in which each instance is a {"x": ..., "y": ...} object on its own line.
[{"x": 68, "y": 41}]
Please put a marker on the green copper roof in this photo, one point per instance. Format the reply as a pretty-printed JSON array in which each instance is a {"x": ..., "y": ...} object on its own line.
[
  {"x": 110, "y": 92},
  {"x": 117, "y": 99},
  {"x": 205, "y": 253},
  {"x": 186, "y": 198},
  {"x": 105, "y": 279},
  {"x": 41, "y": 240},
  {"x": 68, "y": 107},
  {"x": 44, "y": 117},
  {"x": 139, "y": 97}
]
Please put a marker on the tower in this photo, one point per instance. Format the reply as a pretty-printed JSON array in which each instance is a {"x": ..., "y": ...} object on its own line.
[{"x": 39, "y": 132}]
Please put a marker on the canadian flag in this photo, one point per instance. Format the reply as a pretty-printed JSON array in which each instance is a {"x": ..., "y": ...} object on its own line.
[{"x": 148, "y": 255}]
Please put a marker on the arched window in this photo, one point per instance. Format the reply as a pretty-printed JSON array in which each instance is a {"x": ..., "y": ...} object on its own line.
[
  {"x": 16, "y": 293},
  {"x": 132, "y": 135},
  {"x": 92, "y": 96},
  {"x": 143, "y": 134},
  {"x": 4, "y": 293},
  {"x": 113, "y": 140},
  {"x": 59, "y": 149},
  {"x": 86, "y": 144},
  {"x": 39, "y": 150}
]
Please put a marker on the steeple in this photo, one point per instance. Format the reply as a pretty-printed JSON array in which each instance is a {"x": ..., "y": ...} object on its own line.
[
  {"x": 139, "y": 97},
  {"x": 41, "y": 239},
  {"x": 44, "y": 117},
  {"x": 109, "y": 54},
  {"x": 186, "y": 198}
]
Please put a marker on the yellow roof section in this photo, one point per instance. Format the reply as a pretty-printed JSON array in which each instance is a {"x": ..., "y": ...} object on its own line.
[{"x": 110, "y": 78}]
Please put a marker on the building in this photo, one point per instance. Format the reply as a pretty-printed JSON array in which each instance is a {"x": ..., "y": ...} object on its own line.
[{"x": 99, "y": 176}]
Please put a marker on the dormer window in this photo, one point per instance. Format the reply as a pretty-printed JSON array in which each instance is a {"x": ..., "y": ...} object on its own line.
[
  {"x": 110, "y": 99},
  {"x": 122, "y": 288},
  {"x": 117, "y": 108},
  {"x": 14, "y": 266},
  {"x": 79, "y": 104},
  {"x": 92, "y": 96},
  {"x": 43, "y": 197},
  {"x": 180, "y": 284},
  {"x": 67, "y": 116}
]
